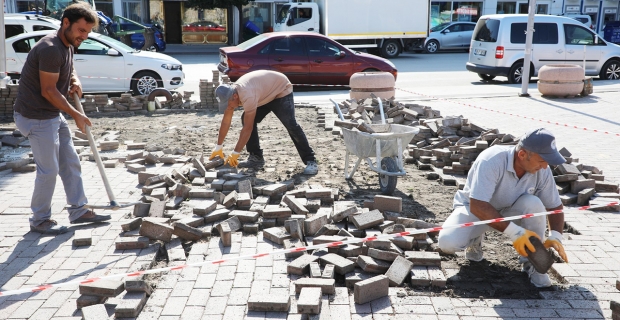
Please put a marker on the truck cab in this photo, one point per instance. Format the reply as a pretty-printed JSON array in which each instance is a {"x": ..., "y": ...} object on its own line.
[{"x": 302, "y": 16}]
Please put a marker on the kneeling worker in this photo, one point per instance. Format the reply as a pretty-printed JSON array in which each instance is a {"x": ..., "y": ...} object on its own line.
[
  {"x": 507, "y": 181},
  {"x": 260, "y": 92}
]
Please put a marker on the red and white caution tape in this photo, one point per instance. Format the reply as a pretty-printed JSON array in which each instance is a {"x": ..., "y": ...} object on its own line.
[
  {"x": 292, "y": 250},
  {"x": 516, "y": 115}
]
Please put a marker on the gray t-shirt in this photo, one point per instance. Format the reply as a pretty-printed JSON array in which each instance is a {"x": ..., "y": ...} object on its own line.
[
  {"x": 493, "y": 179},
  {"x": 49, "y": 55}
]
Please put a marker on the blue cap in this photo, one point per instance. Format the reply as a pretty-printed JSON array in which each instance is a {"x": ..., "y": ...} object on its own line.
[
  {"x": 223, "y": 93},
  {"x": 542, "y": 142}
]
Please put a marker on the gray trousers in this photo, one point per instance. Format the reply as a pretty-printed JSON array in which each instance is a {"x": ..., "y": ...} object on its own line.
[
  {"x": 452, "y": 240},
  {"x": 54, "y": 154}
]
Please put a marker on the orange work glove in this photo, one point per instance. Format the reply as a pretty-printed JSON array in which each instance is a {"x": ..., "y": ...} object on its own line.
[
  {"x": 520, "y": 238},
  {"x": 555, "y": 241},
  {"x": 233, "y": 159},
  {"x": 217, "y": 152}
]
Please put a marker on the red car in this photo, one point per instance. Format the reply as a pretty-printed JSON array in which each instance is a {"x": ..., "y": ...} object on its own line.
[
  {"x": 304, "y": 57},
  {"x": 203, "y": 26}
]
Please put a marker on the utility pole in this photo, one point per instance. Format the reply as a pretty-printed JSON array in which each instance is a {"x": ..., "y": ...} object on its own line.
[{"x": 529, "y": 36}]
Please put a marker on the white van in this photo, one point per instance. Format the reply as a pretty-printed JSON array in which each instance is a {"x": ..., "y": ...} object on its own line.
[
  {"x": 498, "y": 47},
  {"x": 17, "y": 23}
]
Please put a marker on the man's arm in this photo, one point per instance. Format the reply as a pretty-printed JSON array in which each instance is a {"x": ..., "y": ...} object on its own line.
[
  {"x": 485, "y": 211},
  {"x": 556, "y": 221},
  {"x": 76, "y": 84},
  {"x": 248, "y": 126},
  {"x": 225, "y": 125},
  {"x": 51, "y": 93}
]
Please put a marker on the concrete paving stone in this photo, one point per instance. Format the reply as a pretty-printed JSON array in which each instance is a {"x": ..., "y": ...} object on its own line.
[
  {"x": 342, "y": 210},
  {"x": 382, "y": 254},
  {"x": 368, "y": 219},
  {"x": 301, "y": 265},
  {"x": 155, "y": 230},
  {"x": 221, "y": 288},
  {"x": 295, "y": 205},
  {"x": 103, "y": 288},
  {"x": 314, "y": 223},
  {"x": 327, "y": 285},
  {"x": 276, "y": 303},
  {"x": 341, "y": 265},
  {"x": 131, "y": 305},
  {"x": 398, "y": 271},
  {"x": 423, "y": 258},
  {"x": 309, "y": 300},
  {"x": 244, "y": 216},
  {"x": 276, "y": 212},
  {"x": 388, "y": 203},
  {"x": 369, "y": 264},
  {"x": 276, "y": 235},
  {"x": 95, "y": 312},
  {"x": 238, "y": 296},
  {"x": 172, "y": 306}
]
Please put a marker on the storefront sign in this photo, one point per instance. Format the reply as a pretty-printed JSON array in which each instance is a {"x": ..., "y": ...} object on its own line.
[
  {"x": 591, "y": 9},
  {"x": 467, "y": 11},
  {"x": 572, "y": 8},
  {"x": 610, "y": 11}
]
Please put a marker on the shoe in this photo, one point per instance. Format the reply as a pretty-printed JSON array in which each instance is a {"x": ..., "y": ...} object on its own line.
[
  {"x": 540, "y": 280},
  {"x": 90, "y": 217},
  {"x": 49, "y": 226},
  {"x": 474, "y": 251},
  {"x": 253, "y": 161},
  {"x": 312, "y": 168}
]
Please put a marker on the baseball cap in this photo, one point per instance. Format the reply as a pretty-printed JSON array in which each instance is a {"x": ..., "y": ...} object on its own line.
[
  {"x": 223, "y": 93},
  {"x": 542, "y": 142}
]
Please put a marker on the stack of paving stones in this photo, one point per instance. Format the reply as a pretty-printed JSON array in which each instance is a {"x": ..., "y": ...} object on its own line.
[
  {"x": 126, "y": 102},
  {"x": 130, "y": 296},
  {"x": 7, "y": 99},
  {"x": 89, "y": 104},
  {"x": 207, "y": 91}
]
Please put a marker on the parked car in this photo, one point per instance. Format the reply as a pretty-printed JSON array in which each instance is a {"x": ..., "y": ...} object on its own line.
[
  {"x": 203, "y": 26},
  {"x": 105, "y": 64},
  {"x": 583, "y": 18},
  {"x": 449, "y": 36},
  {"x": 17, "y": 23},
  {"x": 137, "y": 39},
  {"x": 498, "y": 45},
  {"x": 304, "y": 57}
]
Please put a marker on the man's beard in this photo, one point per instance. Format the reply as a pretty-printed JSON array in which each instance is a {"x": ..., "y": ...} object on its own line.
[{"x": 72, "y": 40}]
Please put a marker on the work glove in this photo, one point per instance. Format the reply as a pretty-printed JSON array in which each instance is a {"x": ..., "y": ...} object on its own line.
[
  {"x": 520, "y": 238},
  {"x": 555, "y": 241},
  {"x": 217, "y": 152},
  {"x": 233, "y": 159}
]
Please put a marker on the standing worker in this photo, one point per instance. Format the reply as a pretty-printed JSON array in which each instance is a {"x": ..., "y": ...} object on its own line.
[
  {"x": 260, "y": 92},
  {"x": 507, "y": 181},
  {"x": 48, "y": 75}
]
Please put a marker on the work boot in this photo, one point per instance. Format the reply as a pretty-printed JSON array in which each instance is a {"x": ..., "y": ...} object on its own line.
[
  {"x": 253, "y": 161},
  {"x": 540, "y": 280},
  {"x": 49, "y": 226},
  {"x": 90, "y": 217},
  {"x": 312, "y": 168},
  {"x": 474, "y": 251}
]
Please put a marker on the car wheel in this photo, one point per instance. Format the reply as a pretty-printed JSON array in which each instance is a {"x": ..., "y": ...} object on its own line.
[
  {"x": 144, "y": 82},
  {"x": 515, "y": 75},
  {"x": 611, "y": 70},
  {"x": 390, "y": 49},
  {"x": 486, "y": 77},
  {"x": 432, "y": 46},
  {"x": 153, "y": 48}
]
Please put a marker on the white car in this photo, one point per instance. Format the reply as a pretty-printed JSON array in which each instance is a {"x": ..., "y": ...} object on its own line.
[
  {"x": 17, "y": 23},
  {"x": 105, "y": 64}
]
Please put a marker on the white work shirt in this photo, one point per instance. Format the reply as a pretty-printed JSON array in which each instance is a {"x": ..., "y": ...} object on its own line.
[{"x": 492, "y": 178}]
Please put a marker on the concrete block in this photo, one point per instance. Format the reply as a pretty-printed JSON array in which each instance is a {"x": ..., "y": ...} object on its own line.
[
  {"x": 420, "y": 276},
  {"x": 602, "y": 186},
  {"x": 309, "y": 301},
  {"x": 230, "y": 199},
  {"x": 438, "y": 279},
  {"x": 342, "y": 211},
  {"x": 295, "y": 228},
  {"x": 567, "y": 168},
  {"x": 276, "y": 212},
  {"x": 349, "y": 250},
  {"x": 130, "y": 305},
  {"x": 193, "y": 221},
  {"x": 199, "y": 166},
  {"x": 301, "y": 265},
  {"x": 405, "y": 243},
  {"x": 314, "y": 223},
  {"x": 352, "y": 278},
  {"x": 342, "y": 265},
  {"x": 225, "y": 233},
  {"x": 276, "y": 234},
  {"x": 103, "y": 288},
  {"x": 327, "y": 230},
  {"x": 244, "y": 202},
  {"x": 135, "y": 168},
  {"x": 141, "y": 210},
  {"x": 234, "y": 223},
  {"x": 86, "y": 300},
  {"x": 371, "y": 289},
  {"x": 327, "y": 285},
  {"x": 368, "y": 219},
  {"x": 269, "y": 303},
  {"x": 318, "y": 193},
  {"x": 216, "y": 215},
  {"x": 583, "y": 197},
  {"x": 328, "y": 239},
  {"x": 269, "y": 223},
  {"x": 423, "y": 258},
  {"x": 328, "y": 271},
  {"x": 251, "y": 228},
  {"x": 568, "y": 198},
  {"x": 387, "y": 203},
  {"x": 82, "y": 238},
  {"x": 274, "y": 189},
  {"x": 131, "y": 224},
  {"x": 186, "y": 232},
  {"x": 95, "y": 312},
  {"x": 128, "y": 243},
  {"x": 245, "y": 186},
  {"x": 157, "y": 209},
  {"x": 578, "y": 185},
  {"x": 381, "y": 244},
  {"x": 382, "y": 254},
  {"x": 244, "y": 216},
  {"x": 315, "y": 270},
  {"x": 295, "y": 205},
  {"x": 138, "y": 286},
  {"x": 398, "y": 271},
  {"x": 156, "y": 231},
  {"x": 290, "y": 244},
  {"x": 372, "y": 265}
]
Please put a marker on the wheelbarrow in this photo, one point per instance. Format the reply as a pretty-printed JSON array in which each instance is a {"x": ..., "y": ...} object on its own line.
[{"x": 386, "y": 147}]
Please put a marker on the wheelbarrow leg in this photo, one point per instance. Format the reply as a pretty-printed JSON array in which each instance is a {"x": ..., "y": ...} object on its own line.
[{"x": 349, "y": 175}]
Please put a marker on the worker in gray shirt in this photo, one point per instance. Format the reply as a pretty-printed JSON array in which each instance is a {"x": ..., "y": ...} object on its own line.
[{"x": 507, "y": 181}]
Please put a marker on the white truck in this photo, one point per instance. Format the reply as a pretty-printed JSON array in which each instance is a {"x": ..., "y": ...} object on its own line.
[{"x": 382, "y": 27}]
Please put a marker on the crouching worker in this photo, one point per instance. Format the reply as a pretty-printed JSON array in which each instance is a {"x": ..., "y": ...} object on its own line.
[
  {"x": 260, "y": 93},
  {"x": 507, "y": 181}
]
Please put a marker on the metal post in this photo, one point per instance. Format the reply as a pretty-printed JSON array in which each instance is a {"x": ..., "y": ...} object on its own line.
[
  {"x": 529, "y": 35},
  {"x": 4, "y": 79}
]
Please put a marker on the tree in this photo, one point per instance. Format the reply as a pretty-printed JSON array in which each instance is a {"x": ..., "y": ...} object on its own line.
[{"x": 224, "y": 4}]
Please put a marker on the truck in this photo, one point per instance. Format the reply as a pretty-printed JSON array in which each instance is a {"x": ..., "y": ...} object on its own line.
[{"x": 382, "y": 27}]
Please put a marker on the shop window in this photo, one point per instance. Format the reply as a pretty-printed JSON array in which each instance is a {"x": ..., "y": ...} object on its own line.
[
  {"x": 441, "y": 12},
  {"x": 205, "y": 26},
  {"x": 466, "y": 11},
  {"x": 132, "y": 10}
]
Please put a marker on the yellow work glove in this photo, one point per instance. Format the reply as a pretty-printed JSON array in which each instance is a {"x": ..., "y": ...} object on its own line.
[
  {"x": 233, "y": 159},
  {"x": 217, "y": 152},
  {"x": 520, "y": 238},
  {"x": 555, "y": 241}
]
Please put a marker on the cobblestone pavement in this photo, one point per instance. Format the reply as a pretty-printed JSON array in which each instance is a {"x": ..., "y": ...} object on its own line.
[{"x": 222, "y": 292}]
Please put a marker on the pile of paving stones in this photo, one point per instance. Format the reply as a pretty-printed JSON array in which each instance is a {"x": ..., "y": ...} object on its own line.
[
  {"x": 131, "y": 294},
  {"x": 207, "y": 90},
  {"x": 7, "y": 99}
]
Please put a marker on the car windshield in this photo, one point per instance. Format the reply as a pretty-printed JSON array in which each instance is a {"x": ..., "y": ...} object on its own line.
[
  {"x": 283, "y": 14},
  {"x": 252, "y": 42},
  {"x": 117, "y": 43},
  {"x": 486, "y": 30},
  {"x": 439, "y": 27}
]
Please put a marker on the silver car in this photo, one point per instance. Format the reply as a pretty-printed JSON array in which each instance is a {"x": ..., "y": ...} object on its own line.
[{"x": 449, "y": 36}]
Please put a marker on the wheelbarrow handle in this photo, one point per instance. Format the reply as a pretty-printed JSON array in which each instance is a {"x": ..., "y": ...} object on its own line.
[{"x": 337, "y": 109}]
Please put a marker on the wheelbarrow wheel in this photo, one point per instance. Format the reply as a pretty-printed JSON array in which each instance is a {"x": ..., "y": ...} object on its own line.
[{"x": 388, "y": 183}]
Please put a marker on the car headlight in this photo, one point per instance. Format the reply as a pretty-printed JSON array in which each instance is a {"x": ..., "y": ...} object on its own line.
[{"x": 169, "y": 66}]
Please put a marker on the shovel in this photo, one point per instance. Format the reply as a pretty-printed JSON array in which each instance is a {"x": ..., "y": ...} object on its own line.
[{"x": 93, "y": 147}]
